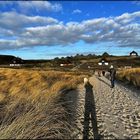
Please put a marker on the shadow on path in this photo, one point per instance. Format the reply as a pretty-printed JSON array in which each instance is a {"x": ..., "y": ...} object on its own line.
[
  {"x": 90, "y": 114},
  {"x": 104, "y": 82}
]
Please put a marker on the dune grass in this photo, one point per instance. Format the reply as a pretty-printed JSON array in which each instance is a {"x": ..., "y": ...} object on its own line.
[
  {"x": 130, "y": 75},
  {"x": 29, "y": 103}
]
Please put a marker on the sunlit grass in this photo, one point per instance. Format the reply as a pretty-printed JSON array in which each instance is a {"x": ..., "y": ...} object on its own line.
[
  {"x": 29, "y": 103},
  {"x": 131, "y": 75}
]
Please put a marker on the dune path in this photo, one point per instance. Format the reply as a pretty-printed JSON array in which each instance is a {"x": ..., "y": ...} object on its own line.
[{"x": 101, "y": 112}]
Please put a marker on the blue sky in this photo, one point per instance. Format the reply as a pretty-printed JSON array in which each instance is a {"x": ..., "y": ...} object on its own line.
[{"x": 49, "y": 29}]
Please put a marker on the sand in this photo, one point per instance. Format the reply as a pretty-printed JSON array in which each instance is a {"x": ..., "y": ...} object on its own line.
[{"x": 101, "y": 112}]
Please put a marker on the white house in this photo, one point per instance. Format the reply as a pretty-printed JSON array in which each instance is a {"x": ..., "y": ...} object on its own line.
[
  {"x": 17, "y": 65},
  {"x": 133, "y": 53},
  {"x": 103, "y": 62},
  {"x": 16, "y": 62}
]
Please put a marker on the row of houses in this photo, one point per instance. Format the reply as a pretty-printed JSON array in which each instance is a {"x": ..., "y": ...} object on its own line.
[
  {"x": 103, "y": 61},
  {"x": 106, "y": 63},
  {"x": 18, "y": 61}
]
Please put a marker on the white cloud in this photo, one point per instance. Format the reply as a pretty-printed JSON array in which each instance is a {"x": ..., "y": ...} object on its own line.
[
  {"x": 127, "y": 17},
  {"x": 40, "y": 5},
  {"x": 31, "y": 31},
  {"x": 36, "y": 5},
  {"x": 76, "y": 11},
  {"x": 14, "y": 21}
]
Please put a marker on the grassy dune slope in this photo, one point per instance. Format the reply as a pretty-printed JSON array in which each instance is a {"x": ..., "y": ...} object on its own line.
[
  {"x": 130, "y": 75},
  {"x": 29, "y": 106}
]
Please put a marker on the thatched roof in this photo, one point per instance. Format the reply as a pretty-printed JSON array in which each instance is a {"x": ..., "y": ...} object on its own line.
[{"x": 134, "y": 53}]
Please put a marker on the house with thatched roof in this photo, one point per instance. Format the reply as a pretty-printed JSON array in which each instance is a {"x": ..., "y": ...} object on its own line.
[
  {"x": 103, "y": 61},
  {"x": 16, "y": 62},
  {"x": 133, "y": 53}
]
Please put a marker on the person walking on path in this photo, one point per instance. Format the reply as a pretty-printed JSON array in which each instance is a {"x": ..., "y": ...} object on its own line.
[
  {"x": 112, "y": 75},
  {"x": 103, "y": 73}
]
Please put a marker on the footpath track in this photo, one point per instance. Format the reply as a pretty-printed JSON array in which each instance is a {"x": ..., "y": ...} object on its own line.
[{"x": 101, "y": 112}]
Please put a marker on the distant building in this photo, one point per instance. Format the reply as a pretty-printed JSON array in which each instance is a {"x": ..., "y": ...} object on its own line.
[
  {"x": 103, "y": 62},
  {"x": 133, "y": 53},
  {"x": 16, "y": 62},
  {"x": 66, "y": 64},
  {"x": 105, "y": 54}
]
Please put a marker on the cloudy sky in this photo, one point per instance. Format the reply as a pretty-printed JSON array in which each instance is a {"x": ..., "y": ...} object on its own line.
[{"x": 45, "y": 30}]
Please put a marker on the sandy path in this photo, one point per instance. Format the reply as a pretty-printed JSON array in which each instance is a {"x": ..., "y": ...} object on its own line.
[{"x": 105, "y": 112}]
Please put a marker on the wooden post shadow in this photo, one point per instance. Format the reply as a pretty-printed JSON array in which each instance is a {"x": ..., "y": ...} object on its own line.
[{"x": 90, "y": 113}]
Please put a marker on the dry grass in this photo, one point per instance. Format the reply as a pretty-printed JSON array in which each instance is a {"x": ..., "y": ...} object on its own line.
[
  {"x": 130, "y": 75},
  {"x": 29, "y": 103}
]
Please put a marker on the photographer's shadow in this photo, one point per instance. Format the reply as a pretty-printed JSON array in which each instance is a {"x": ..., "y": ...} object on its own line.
[{"x": 90, "y": 114}]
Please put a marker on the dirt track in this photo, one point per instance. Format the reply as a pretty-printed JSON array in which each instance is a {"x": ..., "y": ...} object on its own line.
[{"x": 99, "y": 111}]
